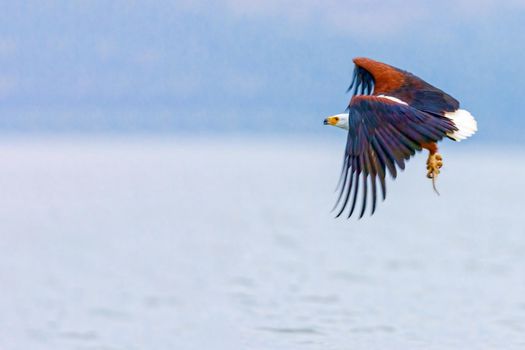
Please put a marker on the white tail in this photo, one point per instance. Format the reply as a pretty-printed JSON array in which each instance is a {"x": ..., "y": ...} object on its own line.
[{"x": 465, "y": 122}]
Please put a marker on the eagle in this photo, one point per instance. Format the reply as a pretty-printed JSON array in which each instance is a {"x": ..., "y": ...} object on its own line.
[{"x": 392, "y": 115}]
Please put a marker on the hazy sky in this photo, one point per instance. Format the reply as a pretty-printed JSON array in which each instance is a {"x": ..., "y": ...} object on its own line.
[{"x": 272, "y": 66}]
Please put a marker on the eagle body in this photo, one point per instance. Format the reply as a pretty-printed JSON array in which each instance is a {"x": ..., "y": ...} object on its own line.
[{"x": 392, "y": 115}]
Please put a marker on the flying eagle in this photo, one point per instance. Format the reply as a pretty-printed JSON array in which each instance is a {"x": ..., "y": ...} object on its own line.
[{"x": 392, "y": 114}]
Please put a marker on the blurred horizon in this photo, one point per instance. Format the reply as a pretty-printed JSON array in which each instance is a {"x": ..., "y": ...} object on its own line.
[{"x": 258, "y": 67}]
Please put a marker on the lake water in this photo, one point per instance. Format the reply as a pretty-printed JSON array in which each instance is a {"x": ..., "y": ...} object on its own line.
[{"x": 170, "y": 243}]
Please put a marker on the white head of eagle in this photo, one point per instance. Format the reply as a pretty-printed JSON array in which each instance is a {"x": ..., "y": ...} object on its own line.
[{"x": 339, "y": 120}]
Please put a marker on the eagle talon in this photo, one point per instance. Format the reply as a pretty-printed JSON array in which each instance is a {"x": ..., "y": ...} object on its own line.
[{"x": 434, "y": 163}]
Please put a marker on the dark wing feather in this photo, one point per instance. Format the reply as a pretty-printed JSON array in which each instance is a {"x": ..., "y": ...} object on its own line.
[
  {"x": 361, "y": 80},
  {"x": 382, "y": 135}
]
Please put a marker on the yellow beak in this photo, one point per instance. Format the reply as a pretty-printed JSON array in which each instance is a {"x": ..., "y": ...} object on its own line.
[{"x": 331, "y": 121}]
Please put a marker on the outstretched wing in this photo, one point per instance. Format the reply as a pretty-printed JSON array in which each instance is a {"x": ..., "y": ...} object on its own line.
[
  {"x": 376, "y": 78},
  {"x": 382, "y": 135}
]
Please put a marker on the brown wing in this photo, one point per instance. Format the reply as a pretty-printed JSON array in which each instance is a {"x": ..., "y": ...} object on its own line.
[{"x": 376, "y": 78}]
